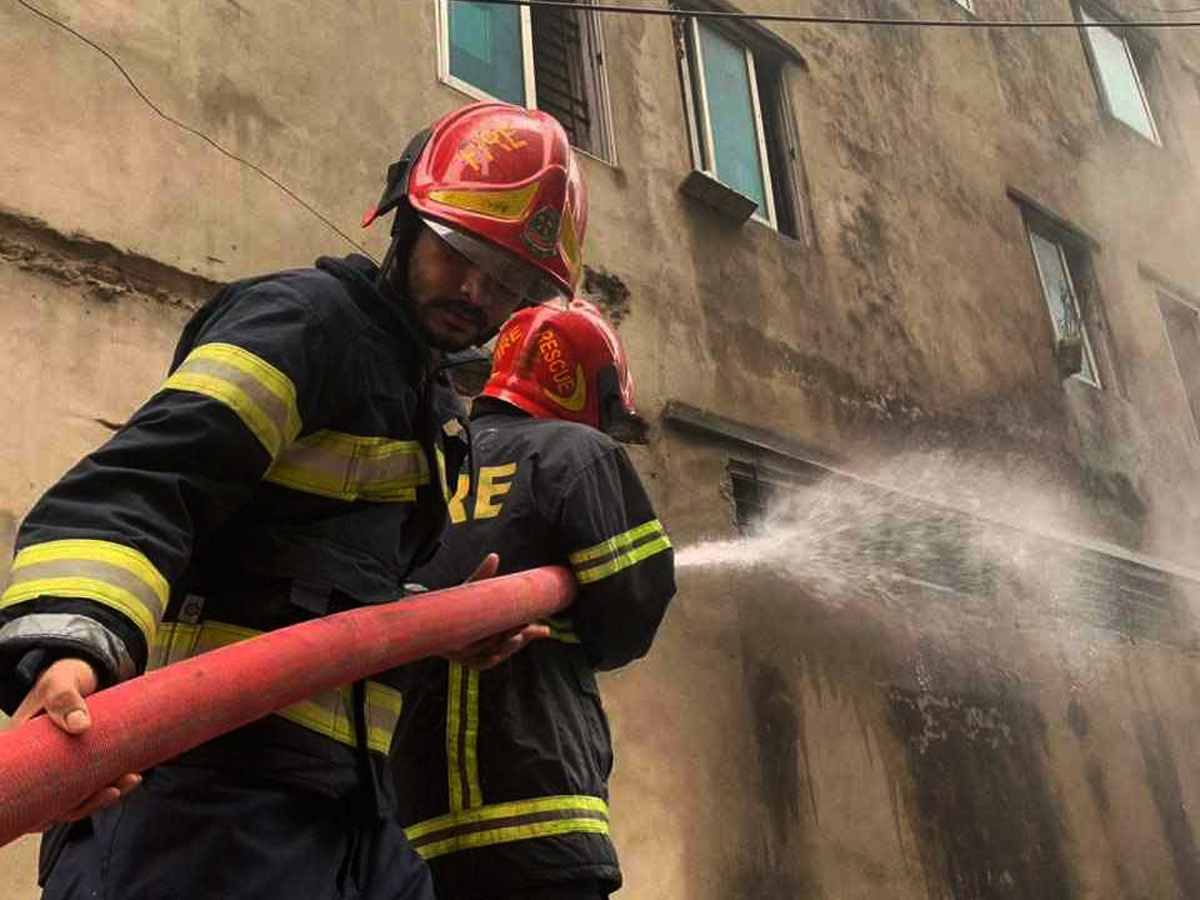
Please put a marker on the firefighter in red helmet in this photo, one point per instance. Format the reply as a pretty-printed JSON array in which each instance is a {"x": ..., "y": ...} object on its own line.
[
  {"x": 520, "y": 809},
  {"x": 293, "y": 464}
]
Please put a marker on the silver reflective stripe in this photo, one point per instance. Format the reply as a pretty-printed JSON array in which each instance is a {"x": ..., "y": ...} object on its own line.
[
  {"x": 352, "y": 467},
  {"x": 90, "y": 570},
  {"x": 261, "y": 395},
  {"x": 37, "y": 627},
  {"x": 103, "y": 572}
]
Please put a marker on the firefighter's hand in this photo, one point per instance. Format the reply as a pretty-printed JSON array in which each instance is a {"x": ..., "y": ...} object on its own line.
[
  {"x": 486, "y": 569},
  {"x": 493, "y": 650},
  {"x": 59, "y": 694}
]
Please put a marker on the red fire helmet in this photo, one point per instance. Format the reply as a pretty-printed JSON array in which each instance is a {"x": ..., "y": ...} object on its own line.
[
  {"x": 566, "y": 363},
  {"x": 503, "y": 176}
]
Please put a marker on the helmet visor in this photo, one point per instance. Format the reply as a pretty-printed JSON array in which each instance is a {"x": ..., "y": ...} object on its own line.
[{"x": 511, "y": 273}]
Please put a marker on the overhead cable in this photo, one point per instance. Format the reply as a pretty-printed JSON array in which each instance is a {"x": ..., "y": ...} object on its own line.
[
  {"x": 969, "y": 22},
  {"x": 188, "y": 128}
]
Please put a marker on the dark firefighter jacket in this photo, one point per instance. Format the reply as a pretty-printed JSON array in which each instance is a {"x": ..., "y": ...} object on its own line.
[
  {"x": 288, "y": 467},
  {"x": 502, "y": 774}
]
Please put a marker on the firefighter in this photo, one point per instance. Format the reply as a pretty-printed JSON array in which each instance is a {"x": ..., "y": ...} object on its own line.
[
  {"x": 292, "y": 465},
  {"x": 519, "y": 807}
]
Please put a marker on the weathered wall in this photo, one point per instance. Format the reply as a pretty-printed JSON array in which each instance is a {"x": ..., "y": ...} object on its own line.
[
  {"x": 773, "y": 746},
  {"x": 88, "y": 332},
  {"x": 777, "y": 743}
]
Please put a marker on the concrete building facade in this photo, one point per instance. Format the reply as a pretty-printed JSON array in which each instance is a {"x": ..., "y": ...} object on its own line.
[{"x": 923, "y": 300}]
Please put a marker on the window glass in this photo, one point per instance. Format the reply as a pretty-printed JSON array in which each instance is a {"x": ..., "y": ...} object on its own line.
[
  {"x": 1119, "y": 79},
  {"x": 485, "y": 49},
  {"x": 735, "y": 148},
  {"x": 1060, "y": 297}
]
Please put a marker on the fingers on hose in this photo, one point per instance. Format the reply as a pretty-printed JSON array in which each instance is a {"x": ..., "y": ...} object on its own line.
[
  {"x": 511, "y": 645},
  {"x": 60, "y": 691},
  {"x": 66, "y": 707},
  {"x": 535, "y": 632},
  {"x": 102, "y": 799},
  {"x": 486, "y": 569}
]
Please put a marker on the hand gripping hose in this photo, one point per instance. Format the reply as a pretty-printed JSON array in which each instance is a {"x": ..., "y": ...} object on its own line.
[{"x": 45, "y": 772}]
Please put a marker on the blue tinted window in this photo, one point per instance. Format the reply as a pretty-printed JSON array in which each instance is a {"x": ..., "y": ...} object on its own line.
[
  {"x": 485, "y": 49},
  {"x": 731, "y": 115}
]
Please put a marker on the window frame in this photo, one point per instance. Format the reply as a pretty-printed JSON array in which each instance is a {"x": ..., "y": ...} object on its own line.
[
  {"x": 471, "y": 90},
  {"x": 1050, "y": 237},
  {"x": 1086, "y": 14},
  {"x": 1180, "y": 298},
  {"x": 703, "y": 154},
  {"x": 606, "y": 153}
]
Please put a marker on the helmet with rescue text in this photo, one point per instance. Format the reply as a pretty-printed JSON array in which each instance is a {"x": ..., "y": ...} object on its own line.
[{"x": 558, "y": 362}]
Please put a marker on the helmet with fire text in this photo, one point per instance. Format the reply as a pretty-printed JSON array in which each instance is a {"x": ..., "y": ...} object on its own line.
[
  {"x": 566, "y": 363},
  {"x": 501, "y": 185}
]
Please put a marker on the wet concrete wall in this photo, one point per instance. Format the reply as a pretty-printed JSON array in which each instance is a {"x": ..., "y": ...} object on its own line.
[{"x": 926, "y": 742}]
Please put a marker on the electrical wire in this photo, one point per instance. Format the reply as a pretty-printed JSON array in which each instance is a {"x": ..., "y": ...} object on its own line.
[
  {"x": 826, "y": 20},
  {"x": 598, "y": 7},
  {"x": 200, "y": 134}
]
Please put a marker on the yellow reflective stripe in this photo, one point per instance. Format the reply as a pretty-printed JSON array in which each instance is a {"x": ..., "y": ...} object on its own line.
[
  {"x": 562, "y": 630},
  {"x": 384, "y": 705},
  {"x": 462, "y": 737},
  {"x": 484, "y": 814},
  {"x": 114, "y": 575},
  {"x": 328, "y": 713},
  {"x": 509, "y": 205},
  {"x": 352, "y": 467},
  {"x": 453, "y": 715},
  {"x": 177, "y": 641},
  {"x": 612, "y": 559},
  {"x": 474, "y": 796},
  {"x": 511, "y": 833},
  {"x": 506, "y": 822},
  {"x": 261, "y": 395},
  {"x": 632, "y": 558},
  {"x": 613, "y": 545},
  {"x": 441, "y": 467}
]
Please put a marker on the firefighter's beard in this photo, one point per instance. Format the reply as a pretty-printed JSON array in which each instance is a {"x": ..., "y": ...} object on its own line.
[{"x": 447, "y": 321}]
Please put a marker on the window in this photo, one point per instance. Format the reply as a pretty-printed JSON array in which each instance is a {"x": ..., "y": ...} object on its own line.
[
  {"x": 762, "y": 491},
  {"x": 1119, "y": 66},
  {"x": 1053, "y": 259},
  {"x": 1183, "y": 333},
  {"x": 542, "y": 57},
  {"x": 1062, "y": 259},
  {"x": 742, "y": 134},
  {"x": 753, "y": 495}
]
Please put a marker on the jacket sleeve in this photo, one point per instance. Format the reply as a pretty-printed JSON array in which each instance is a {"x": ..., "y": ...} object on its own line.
[
  {"x": 621, "y": 557},
  {"x": 98, "y": 553}
]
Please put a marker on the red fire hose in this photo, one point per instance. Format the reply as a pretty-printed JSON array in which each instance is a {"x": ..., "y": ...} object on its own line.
[{"x": 139, "y": 723}]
